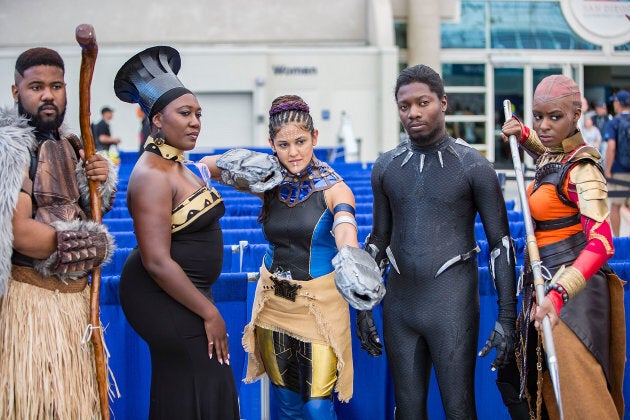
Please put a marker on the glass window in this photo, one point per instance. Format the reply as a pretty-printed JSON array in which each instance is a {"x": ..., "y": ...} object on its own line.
[
  {"x": 400, "y": 32},
  {"x": 464, "y": 74},
  {"x": 532, "y": 25},
  {"x": 470, "y": 31},
  {"x": 513, "y": 25},
  {"x": 508, "y": 84},
  {"x": 472, "y": 131},
  {"x": 466, "y": 103}
]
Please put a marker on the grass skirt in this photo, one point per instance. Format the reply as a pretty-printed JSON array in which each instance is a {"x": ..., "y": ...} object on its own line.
[{"x": 45, "y": 372}]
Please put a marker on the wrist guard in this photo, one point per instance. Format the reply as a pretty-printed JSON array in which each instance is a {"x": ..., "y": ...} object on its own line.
[
  {"x": 249, "y": 171},
  {"x": 501, "y": 265},
  {"x": 81, "y": 247},
  {"x": 358, "y": 278},
  {"x": 372, "y": 248}
]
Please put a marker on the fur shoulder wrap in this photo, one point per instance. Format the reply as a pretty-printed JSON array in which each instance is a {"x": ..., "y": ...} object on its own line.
[{"x": 16, "y": 143}]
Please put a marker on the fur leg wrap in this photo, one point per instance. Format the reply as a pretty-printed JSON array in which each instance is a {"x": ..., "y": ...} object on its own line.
[{"x": 82, "y": 245}]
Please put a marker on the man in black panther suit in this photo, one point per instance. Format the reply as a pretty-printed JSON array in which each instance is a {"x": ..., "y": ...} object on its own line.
[{"x": 427, "y": 192}]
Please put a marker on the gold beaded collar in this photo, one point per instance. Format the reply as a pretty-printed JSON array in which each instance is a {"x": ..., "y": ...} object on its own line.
[{"x": 159, "y": 147}]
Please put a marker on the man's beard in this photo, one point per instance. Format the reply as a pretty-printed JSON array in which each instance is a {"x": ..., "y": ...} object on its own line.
[
  {"x": 425, "y": 140},
  {"x": 38, "y": 122}
]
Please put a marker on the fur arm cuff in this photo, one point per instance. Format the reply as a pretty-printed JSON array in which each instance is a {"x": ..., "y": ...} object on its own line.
[
  {"x": 82, "y": 245},
  {"x": 107, "y": 189}
]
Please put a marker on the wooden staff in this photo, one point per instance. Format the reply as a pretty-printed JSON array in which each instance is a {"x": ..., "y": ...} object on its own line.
[
  {"x": 534, "y": 261},
  {"x": 89, "y": 50}
]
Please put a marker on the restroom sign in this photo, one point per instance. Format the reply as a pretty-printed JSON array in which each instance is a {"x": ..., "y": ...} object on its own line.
[{"x": 601, "y": 22}]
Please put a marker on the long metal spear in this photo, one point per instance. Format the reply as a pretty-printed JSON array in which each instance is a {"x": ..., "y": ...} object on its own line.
[
  {"x": 89, "y": 50},
  {"x": 534, "y": 260}
]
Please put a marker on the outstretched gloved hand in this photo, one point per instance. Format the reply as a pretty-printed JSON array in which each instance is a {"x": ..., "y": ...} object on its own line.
[
  {"x": 366, "y": 331},
  {"x": 503, "y": 339}
]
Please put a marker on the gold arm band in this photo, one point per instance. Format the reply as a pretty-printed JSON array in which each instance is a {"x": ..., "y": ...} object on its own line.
[{"x": 572, "y": 280}]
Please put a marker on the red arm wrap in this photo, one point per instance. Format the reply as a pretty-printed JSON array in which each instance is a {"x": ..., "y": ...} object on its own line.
[
  {"x": 525, "y": 131},
  {"x": 556, "y": 299}
]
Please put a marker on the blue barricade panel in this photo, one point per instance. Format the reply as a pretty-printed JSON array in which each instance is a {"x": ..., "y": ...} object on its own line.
[{"x": 244, "y": 248}]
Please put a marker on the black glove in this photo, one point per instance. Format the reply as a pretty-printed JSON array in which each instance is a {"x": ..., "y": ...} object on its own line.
[
  {"x": 366, "y": 331},
  {"x": 503, "y": 338}
]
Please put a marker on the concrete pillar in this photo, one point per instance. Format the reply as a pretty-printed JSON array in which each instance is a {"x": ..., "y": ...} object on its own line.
[
  {"x": 381, "y": 36},
  {"x": 423, "y": 33}
]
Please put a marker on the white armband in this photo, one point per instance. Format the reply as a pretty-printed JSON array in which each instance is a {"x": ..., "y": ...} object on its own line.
[{"x": 343, "y": 219}]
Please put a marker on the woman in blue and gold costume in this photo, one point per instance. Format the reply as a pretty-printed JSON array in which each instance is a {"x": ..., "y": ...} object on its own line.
[
  {"x": 165, "y": 283},
  {"x": 299, "y": 333}
]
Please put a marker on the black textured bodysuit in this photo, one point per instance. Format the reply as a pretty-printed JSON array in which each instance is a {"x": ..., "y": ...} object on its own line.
[{"x": 425, "y": 203}]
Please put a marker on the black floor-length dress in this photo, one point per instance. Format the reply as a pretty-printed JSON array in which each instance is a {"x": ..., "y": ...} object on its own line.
[{"x": 185, "y": 383}]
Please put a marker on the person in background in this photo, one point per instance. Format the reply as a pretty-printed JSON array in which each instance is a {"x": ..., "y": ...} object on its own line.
[
  {"x": 600, "y": 119},
  {"x": 591, "y": 134},
  {"x": 601, "y": 116},
  {"x": 617, "y": 138},
  {"x": 427, "y": 193},
  {"x": 299, "y": 333},
  {"x": 165, "y": 283},
  {"x": 102, "y": 133},
  {"x": 48, "y": 247},
  {"x": 584, "y": 299}
]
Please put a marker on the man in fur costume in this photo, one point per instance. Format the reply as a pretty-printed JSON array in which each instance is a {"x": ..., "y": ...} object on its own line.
[{"x": 47, "y": 248}]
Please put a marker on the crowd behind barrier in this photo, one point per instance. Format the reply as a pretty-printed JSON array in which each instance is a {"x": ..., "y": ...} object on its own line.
[{"x": 244, "y": 247}]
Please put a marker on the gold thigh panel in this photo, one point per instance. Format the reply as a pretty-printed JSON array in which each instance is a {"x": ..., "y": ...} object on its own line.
[
  {"x": 264, "y": 339},
  {"x": 324, "y": 370}
]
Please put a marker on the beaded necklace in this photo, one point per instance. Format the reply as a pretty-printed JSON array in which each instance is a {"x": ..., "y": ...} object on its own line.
[{"x": 296, "y": 188}]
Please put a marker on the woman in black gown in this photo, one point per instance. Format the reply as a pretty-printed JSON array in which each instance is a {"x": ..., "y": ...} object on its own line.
[{"x": 165, "y": 283}]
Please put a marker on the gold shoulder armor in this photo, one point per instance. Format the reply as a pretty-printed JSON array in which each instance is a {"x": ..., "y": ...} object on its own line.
[
  {"x": 591, "y": 189},
  {"x": 587, "y": 152}
]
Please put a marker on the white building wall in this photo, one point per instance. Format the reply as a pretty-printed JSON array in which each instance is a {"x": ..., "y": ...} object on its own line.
[
  {"x": 28, "y": 22},
  {"x": 231, "y": 50}
]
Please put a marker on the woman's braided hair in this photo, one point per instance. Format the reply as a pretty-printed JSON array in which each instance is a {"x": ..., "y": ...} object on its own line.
[{"x": 287, "y": 109}]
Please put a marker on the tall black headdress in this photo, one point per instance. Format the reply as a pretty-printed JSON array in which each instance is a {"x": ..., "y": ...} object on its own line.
[{"x": 149, "y": 79}]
